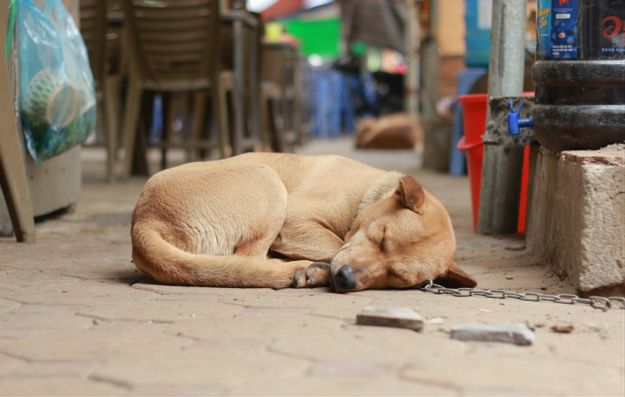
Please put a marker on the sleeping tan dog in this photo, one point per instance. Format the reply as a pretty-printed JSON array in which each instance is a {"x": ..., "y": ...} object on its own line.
[{"x": 282, "y": 220}]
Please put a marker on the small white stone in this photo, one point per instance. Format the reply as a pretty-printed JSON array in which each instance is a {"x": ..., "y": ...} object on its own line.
[{"x": 517, "y": 333}]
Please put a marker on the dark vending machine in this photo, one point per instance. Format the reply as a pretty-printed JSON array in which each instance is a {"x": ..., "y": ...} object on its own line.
[{"x": 580, "y": 74}]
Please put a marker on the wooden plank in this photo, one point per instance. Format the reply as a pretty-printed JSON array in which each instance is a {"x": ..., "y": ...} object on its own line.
[{"x": 12, "y": 170}]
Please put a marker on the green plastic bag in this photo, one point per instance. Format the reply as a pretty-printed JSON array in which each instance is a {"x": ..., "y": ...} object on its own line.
[{"x": 56, "y": 95}]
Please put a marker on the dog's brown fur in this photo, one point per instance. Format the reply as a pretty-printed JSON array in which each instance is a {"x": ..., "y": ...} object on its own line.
[
  {"x": 262, "y": 219},
  {"x": 394, "y": 131}
]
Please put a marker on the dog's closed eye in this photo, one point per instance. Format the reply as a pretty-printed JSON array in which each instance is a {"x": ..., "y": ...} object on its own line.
[{"x": 383, "y": 240}]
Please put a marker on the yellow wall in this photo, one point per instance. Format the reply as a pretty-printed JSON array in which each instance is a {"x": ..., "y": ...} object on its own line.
[{"x": 451, "y": 27}]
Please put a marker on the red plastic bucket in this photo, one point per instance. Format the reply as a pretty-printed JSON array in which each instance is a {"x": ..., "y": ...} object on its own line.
[{"x": 474, "y": 115}]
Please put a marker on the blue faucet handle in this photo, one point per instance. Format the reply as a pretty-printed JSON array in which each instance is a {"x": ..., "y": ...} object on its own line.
[{"x": 515, "y": 122}]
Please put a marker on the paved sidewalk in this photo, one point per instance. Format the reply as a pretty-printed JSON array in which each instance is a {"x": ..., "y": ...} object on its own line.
[{"x": 77, "y": 319}]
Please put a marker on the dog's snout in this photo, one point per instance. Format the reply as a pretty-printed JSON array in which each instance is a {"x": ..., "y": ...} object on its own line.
[{"x": 344, "y": 279}]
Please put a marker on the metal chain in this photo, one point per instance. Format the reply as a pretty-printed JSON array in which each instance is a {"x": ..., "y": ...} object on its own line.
[{"x": 596, "y": 302}]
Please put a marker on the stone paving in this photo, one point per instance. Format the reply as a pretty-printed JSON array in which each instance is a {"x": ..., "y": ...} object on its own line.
[{"x": 76, "y": 318}]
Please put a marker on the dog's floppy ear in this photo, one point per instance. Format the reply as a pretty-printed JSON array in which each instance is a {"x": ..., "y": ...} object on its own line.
[
  {"x": 455, "y": 278},
  {"x": 411, "y": 195}
]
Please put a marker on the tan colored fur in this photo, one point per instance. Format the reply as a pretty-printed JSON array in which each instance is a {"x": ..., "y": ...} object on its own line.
[
  {"x": 393, "y": 131},
  {"x": 381, "y": 188},
  {"x": 261, "y": 220}
]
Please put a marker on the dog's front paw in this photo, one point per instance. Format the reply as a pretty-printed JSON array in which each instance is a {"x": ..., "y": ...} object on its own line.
[
  {"x": 315, "y": 275},
  {"x": 318, "y": 274}
]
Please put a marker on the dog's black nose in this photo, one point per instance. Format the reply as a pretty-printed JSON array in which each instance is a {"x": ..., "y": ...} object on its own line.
[{"x": 344, "y": 279}]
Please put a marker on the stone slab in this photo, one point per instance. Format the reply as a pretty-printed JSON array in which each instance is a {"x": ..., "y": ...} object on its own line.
[
  {"x": 397, "y": 317},
  {"x": 576, "y": 221},
  {"x": 55, "y": 184},
  {"x": 518, "y": 334}
]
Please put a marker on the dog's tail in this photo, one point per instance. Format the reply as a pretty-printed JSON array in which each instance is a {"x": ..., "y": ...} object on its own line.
[{"x": 169, "y": 264}]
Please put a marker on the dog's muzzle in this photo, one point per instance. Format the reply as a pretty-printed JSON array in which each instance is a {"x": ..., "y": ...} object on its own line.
[{"x": 343, "y": 279}]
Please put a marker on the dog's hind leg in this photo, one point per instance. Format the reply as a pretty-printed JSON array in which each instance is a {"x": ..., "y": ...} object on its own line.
[
  {"x": 171, "y": 265},
  {"x": 304, "y": 273},
  {"x": 213, "y": 228}
]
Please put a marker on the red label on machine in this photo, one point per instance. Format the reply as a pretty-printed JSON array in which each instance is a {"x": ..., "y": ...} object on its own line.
[{"x": 612, "y": 27}]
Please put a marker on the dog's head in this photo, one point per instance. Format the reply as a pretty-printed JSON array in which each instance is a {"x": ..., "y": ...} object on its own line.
[{"x": 398, "y": 242}]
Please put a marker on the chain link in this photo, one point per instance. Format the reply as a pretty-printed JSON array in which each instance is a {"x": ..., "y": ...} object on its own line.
[{"x": 596, "y": 302}]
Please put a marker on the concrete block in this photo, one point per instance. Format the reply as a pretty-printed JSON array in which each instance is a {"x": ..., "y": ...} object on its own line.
[
  {"x": 55, "y": 184},
  {"x": 576, "y": 221},
  {"x": 518, "y": 334},
  {"x": 398, "y": 317}
]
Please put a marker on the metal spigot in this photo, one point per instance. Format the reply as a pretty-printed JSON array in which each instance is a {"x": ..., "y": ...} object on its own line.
[{"x": 515, "y": 123}]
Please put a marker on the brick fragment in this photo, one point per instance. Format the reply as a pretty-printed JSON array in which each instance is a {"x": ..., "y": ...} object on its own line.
[{"x": 398, "y": 317}]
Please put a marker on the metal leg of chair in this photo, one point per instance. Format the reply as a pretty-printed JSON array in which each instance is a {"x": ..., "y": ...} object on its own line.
[
  {"x": 111, "y": 110},
  {"x": 169, "y": 115},
  {"x": 278, "y": 124},
  {"x": 297, "y": 104},
  {"x": 131, "y": 122},
  {"x": 265, "y": 116},
  {"x": 140, "y": 164},
  {"x": 199, "y": 108},
  {"x": 220, "y": 106}
]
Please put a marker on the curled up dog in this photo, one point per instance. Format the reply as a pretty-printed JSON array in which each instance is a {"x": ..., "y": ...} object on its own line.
[{"x": 284, "y": 220}]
